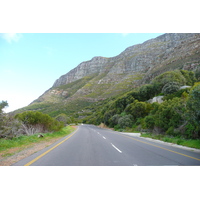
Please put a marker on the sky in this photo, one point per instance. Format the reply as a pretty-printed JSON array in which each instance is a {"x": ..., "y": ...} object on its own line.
[{"x": 31, "y": 62}]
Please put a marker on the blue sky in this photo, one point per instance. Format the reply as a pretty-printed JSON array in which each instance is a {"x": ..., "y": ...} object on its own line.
[{"x": 31, "y": 62}]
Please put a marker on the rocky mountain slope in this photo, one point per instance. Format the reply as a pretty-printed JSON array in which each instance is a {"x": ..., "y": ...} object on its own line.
[
  {"x": 101, "y": 77},
  {"x": 153, "y": 53}
]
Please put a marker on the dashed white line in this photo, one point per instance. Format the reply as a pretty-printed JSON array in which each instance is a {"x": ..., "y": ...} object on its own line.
[
  {"x": 116, "y": 148},
  {"x": 103, "y": 137}
]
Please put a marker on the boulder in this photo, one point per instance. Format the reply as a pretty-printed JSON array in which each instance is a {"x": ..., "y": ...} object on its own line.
[{"x": 157, "y": 99}]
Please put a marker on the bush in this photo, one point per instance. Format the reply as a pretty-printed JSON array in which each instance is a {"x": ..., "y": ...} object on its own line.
[
  {"x": 167, "y": 117},
  {"x": 120, "y": 103},
  {"x": 193, "y": 105},
  {"x": 170, "y": 88},
  {"x": 108, "y": 115},
  {"x": 114, "y": 120},
  {"x": 37, "y": 122},
  {"x": 189, "y": 76},
  {"x": 63, "y": 118},
  {"x": 138, "y": 109},
  {"x": 149, "y": 122},
  {"x": 3, "y": 104},
  {"x": 190, "y": 129},
  {"x": 169, "y": 76},
  {"x": 125, "y": 121},
  {"x": 147, "y": 92},
  {"x": 183, "y": 93}
]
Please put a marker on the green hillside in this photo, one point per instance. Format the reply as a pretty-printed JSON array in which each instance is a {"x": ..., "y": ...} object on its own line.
[{"x": 178, "y": 115}]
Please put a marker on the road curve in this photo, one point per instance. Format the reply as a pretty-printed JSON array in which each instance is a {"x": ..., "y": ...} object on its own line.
[{"x": 93, "y": 146}]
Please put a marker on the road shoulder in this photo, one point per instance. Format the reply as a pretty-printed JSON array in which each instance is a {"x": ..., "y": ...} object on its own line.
[{"x": 161, "y": 142}]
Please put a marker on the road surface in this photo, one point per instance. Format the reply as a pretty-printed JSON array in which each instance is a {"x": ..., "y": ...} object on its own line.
[{"x": 93, "y": 146}]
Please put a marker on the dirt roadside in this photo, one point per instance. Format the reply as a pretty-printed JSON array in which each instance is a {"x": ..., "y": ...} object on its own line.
[{"x": 14, "y": 155}]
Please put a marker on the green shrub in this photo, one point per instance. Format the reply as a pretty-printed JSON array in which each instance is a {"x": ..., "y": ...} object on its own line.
[
  {"x": 170, "y": 88},
  {"x": 193, "y": 105},
  {"x": 33, "y": 122},
  {"x": 125, "y": 121},
  {"x": 63, "y": 118},
  {"x": 108, "y": 115},
  {"x": 189, "y": 76},
  {"x": 170, "y": 131},
  {"x": 147, "y": 92},
  {"x": 149, "y": 122},
  {"x": 138, "y": 109},
  {"x": 114, "y": 120},
  {"x": 169, "y": 76},
  {"x": 183, "y": 93}
]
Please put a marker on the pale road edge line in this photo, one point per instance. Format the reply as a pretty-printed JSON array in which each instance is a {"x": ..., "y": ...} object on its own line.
[
  {"x": 40, "y": 156},
  {"x": 116, "y": 148}
]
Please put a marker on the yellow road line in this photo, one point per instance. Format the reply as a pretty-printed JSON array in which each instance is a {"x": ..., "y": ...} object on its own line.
[
  {"x": 162, "y": 148},
  {"x": 40, "y": 156}
]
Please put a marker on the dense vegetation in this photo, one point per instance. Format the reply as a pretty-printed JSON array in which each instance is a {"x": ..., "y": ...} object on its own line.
[
  {"x": 27, "y": 123},
  {"x": 178, "y": 115}
]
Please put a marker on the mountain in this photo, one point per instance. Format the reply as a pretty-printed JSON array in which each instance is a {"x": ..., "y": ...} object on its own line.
[{"x": 101, "y": 78}]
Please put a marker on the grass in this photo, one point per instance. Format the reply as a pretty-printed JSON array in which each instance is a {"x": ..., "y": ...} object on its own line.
[
  {"x": 180, "y": 141},
  {"x": 24, "y": 141}
]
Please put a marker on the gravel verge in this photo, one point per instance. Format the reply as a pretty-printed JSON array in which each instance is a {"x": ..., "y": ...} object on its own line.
[{"x": 14, "y": 155}]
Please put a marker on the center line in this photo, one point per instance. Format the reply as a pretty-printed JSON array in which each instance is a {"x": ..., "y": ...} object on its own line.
[
  {"x": 103, "y": 137},
  {"x": 116, "y": 148}
]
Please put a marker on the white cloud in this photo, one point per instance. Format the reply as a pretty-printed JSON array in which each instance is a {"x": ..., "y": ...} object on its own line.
[{"x": 10, "y": 37}]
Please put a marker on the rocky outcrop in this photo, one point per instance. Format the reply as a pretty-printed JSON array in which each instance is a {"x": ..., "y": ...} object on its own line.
[
  {"x": 96, "y": 65},
  {"x": 148, "y": 57},
  {"x": 158, "y": 99},
  {"x": 184, "y": 87}
]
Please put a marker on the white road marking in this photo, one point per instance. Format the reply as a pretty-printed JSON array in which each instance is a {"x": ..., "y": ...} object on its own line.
[
  {"x": 103, "y": 137},
  {"x": 116, "y": 148}
]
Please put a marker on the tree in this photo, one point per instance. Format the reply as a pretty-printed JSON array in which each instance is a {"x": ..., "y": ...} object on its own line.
[
  {"x": 3, "y": 104},
  {"x": 9, "y": 127}
]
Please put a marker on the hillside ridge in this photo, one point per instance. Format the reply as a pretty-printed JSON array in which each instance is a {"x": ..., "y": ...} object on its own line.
[
  {"x": 101, "y": 78},
  {"x": 135, "y": 58}
]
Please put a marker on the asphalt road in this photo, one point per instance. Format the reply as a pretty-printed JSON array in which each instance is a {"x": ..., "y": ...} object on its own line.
[{"x": 93, "y": 146}]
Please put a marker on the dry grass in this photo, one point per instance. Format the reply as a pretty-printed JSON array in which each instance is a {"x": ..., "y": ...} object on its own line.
[{"x": 13, "y": 155}]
